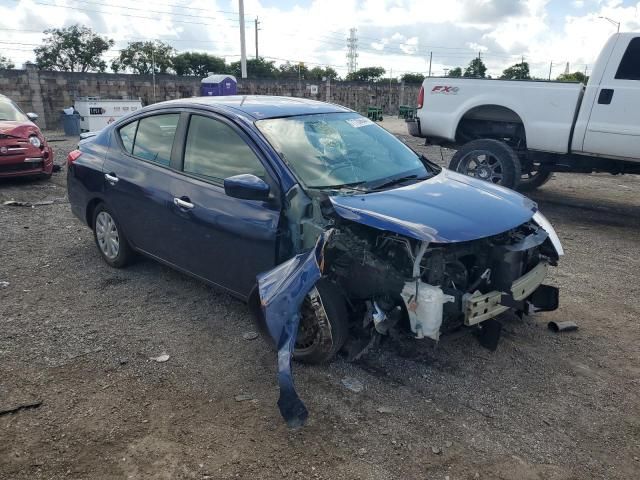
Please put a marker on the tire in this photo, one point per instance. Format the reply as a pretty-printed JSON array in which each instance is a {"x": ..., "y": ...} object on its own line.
[
  {"x": 110, "y": 239},
  {"x": 317, "y": 341},
  {"x": 531, "y": 180},
  {"x": 490, "y": 160},
  {"x": 315, "y": 345}
]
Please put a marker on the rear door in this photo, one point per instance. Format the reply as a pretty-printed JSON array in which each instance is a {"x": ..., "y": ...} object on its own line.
[
  {"x": 614, "y": 125},
  {"x": 137, "y": 173},
  {"x": 224, "y": 240}
]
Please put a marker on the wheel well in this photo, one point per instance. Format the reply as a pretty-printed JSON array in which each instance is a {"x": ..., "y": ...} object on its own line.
[
  {"x": 492, "y": 121},
  {"x": 91, "y": 207}
]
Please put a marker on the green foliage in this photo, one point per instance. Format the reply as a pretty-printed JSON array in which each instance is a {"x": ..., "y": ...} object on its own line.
[
  {"x": 455, "y": 72},
  {"x": 72, "y": 49},
  {"x": 476, "y": 69},
  {"x": 573, "y": 77},
  {"x": 367, "y": 74},
  {"x": 412, "y": 78},
  {"x": 519, "y": 71},
  {"x": 198, "y": 64},
  {"x": 6, "y": 63},
  {"x": 318, "y": 73},
  {"x": 256, "y": 68},
  {"x": 142, "y": 57},
  {"x": 293, "y": 70}
]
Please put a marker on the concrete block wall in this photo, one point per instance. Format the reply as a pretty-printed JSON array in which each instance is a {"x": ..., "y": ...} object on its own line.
[{"x": 47, "y": 93}]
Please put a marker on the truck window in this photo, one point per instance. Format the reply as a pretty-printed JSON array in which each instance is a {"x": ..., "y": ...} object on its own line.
[{"x": 629, "y": 68}]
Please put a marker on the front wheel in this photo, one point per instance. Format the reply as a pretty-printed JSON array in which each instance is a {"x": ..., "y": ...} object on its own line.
[{"x": 490, "y": 160}]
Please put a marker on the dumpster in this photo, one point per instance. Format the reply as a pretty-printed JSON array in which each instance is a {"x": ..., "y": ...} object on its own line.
[{"x": 71, "y": 124}]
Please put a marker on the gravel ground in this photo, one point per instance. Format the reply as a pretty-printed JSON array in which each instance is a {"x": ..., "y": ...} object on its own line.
[{"x": 76, "y": 340}]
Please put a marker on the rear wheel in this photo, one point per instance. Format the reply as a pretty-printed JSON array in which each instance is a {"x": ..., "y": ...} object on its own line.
[
  {"x": 490, "y": 160},
  {"x": 536, "y": 176},
  {"x": 110, "y": 239}
]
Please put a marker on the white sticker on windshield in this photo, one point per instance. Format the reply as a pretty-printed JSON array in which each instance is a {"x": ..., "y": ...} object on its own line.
[{"x": 359, "y": 122}]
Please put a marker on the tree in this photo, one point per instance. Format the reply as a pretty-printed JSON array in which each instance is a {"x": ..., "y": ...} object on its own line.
[
  {"x": 318, "y": 73},
  {"x": 256, "y": 68},
  {"x": 476, "y": 69},
  {"x": 199, "y": 64},
  {"x": 455, "y": 72},
  {"x": 6, "y": 63},
  {"x": 573, "y": 77},
  {"x": 293, "y": 70},
  {"x": 72, "y": 49},
  {"x": 142, "y": 57},
  {"x": 519, "y": 71},
  {"x": 367, "y": 74},
  {"x": 412, "y": 78}
]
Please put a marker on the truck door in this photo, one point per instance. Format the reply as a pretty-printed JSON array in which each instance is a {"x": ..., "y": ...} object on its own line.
[{"x": 614, "y": 124}]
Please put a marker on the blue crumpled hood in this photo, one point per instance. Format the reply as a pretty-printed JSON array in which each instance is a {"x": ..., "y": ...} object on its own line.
[{"x": 449, "y": 207}]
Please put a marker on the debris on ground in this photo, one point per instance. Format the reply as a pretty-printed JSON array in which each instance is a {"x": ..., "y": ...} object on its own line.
[
  {"x": 249, "y": 335},
  {"x": 22, "y": 406},
  {"x": 436, "y": 450},
  {"x": 567, "y": 326},
  {"x": 160, "y": 359},
  {"x": 353, "y": 384},
  {"x": 384, "y": 410},
  {"x": 243, "y": 397},
  {"x": 4, "y": 284},
  {"x": 17, "y": 203}
]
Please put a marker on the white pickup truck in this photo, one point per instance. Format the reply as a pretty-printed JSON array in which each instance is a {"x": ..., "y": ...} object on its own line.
[{"x": 517, "y": 133}]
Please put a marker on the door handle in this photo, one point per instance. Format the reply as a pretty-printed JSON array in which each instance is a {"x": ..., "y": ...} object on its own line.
[
  {"x": 111, "y": 178},
  {"x": 605, "y": 97},
  {"x": 183, "y": 203}
]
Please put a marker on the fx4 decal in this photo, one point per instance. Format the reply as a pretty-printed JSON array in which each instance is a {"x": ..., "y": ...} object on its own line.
[{"x": 445, "y": 89}]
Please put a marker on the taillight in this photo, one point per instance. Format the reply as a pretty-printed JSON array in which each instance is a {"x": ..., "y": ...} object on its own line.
[
  {"x": 421, "y": 97},
  {"x": 73, "y": 156}
]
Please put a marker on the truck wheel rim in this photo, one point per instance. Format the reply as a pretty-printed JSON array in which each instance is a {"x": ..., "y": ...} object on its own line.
[
  {"x": 483, "y": 165},
  {"x": 107, "y": 235}
]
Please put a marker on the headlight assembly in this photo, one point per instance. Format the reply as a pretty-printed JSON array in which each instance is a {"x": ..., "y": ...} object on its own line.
[{"x": 35, "y": 141}]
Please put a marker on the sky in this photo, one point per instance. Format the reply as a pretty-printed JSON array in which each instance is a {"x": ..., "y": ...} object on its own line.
[{"x": 398, "y": 35}]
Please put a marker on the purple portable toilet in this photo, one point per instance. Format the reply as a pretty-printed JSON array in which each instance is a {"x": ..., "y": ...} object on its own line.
[{"x": 218, "y": 85}]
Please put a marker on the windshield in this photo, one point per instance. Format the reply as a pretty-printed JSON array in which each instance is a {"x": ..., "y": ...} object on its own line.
[
  {"x": 9, "y": 111},
  {"x": 342, "y": 149}
]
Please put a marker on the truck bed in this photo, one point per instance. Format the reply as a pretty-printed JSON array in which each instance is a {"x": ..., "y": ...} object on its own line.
[{"x": 546, "y": 109}]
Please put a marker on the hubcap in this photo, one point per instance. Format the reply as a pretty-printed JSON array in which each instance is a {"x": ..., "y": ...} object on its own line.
[
  {"x": 107, "y": 235},
  {"x": 483, "y": 165}
]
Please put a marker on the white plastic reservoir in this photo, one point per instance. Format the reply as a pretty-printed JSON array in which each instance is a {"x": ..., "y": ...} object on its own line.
[{"x": 425, "y": 308}]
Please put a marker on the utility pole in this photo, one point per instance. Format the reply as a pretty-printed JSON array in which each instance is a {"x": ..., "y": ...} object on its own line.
[
  {"x": 243, "y": 47},
  {"x": 550, "y": 68},
  {"x": 257, "y": 22},
  {"x": 328, "y": 89},
  {"x": 153, "y": 73},
  {"x": 430, "y": 60},
  {"x": 352, "y": 52}
]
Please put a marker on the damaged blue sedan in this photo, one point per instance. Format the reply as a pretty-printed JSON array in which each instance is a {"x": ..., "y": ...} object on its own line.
[{"x": 325, "y": 222}]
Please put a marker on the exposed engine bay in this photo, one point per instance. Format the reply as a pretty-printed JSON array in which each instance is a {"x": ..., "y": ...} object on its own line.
[{"x": 392, "y": 282}]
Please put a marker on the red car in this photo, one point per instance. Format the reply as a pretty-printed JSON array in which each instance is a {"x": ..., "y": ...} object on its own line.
[{"x": 23, "y": 148}]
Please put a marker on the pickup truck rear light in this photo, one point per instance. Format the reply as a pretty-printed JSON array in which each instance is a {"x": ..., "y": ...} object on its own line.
[
  {"x": 421, "y": 97},
  {"x": 73, "y": 156}
]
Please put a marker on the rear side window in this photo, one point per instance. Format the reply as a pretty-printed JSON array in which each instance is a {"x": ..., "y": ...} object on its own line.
[
  {"x": 214, "y": 150},
  {"x": 127, "y": 135},
  {"x": 629, "y": 68},
  {"x": 154, "y": 138}
]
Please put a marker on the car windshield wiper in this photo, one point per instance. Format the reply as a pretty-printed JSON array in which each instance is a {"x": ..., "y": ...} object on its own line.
[
  {"x": 350, "y": 186},
  {"x": 396, "y": 181}
]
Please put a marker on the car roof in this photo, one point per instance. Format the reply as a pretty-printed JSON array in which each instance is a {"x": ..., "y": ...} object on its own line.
[{"x": 260, "y": 106}]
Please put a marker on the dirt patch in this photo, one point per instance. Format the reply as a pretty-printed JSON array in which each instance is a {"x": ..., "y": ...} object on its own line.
[{"x": 78, "y": 337}]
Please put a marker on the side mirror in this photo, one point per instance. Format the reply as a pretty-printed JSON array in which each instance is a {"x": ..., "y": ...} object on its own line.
[
  {"x": 32, "y": 116},
  {"x": 246, "y": 187}
]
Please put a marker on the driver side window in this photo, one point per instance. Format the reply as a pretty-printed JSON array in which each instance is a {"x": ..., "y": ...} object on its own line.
[{"x": 215, "y": 151}]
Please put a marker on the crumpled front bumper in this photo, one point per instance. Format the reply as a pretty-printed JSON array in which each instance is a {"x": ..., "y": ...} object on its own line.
[{"x": 480, "y": 307}]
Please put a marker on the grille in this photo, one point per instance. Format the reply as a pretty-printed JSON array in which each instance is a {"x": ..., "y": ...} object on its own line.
[{"x": 19, "y": 167}]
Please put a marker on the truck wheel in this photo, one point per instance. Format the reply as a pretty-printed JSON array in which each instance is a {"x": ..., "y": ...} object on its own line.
[
  {"x": 324, "y": 326},
  {"x": 537, "y": 177},
  {"x": 490, "y": 160}
]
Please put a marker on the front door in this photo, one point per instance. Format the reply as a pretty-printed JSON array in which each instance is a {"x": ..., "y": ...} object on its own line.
[
  {"x": 225, "y": 240},
  {"x": 614, "y": 124}
]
